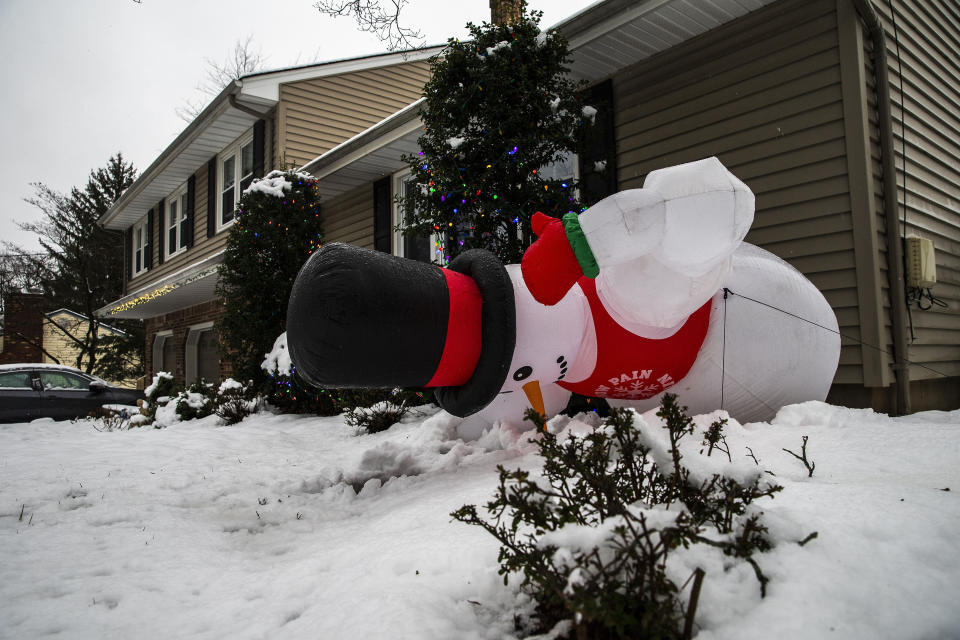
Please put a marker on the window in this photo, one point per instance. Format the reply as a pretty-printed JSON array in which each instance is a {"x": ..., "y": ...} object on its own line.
[
  {"x": 140, "y": 247},
  {"x": 422, "y": 248},
  {"x": 164, "y": 353},
  {"x": 15, "y": 380},
  {"x": 235, "y": 173},
  {"x": 176, "y": 222},
  {"x": 201, "y": 359},
  {"x": 60, "y": 380},
  {"x": 563, "y": 169}
]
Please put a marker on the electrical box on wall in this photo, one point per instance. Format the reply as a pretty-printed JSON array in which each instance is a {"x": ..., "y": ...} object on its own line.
[{"x": 921, "y": 263}]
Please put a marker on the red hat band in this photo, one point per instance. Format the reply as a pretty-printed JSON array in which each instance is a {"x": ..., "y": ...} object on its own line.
[{"x": 461, "y": 346}]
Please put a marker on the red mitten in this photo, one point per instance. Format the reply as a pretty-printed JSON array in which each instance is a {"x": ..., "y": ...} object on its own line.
[{"x": 549, "y": 265}]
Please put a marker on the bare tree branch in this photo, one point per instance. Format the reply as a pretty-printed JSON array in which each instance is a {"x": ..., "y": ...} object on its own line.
[
  {"x": 241, "y": 61},
  {"x": 20, "y": 271},
  {"x": 379, "y": 17}
]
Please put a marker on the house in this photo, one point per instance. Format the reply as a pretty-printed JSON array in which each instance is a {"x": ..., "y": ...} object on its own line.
[
  {"x": 843, "y": 116},
  {"x": 176, "y": 215},
  {"x": 30, "y": 335}
]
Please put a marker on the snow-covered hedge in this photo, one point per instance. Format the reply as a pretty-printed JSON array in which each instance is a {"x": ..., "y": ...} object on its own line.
[
  {"x": 595, "y": 540},
  {"x": 166, "y": 405}
]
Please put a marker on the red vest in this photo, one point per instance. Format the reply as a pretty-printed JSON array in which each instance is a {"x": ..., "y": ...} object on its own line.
[{"x": 633, "y": 368}]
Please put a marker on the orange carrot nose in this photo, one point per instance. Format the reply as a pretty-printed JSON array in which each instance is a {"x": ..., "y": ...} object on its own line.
[{"x": 534, "y": 396}]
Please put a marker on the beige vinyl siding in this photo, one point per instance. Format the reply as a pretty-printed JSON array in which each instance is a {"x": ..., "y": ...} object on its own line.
[
  {"x": 202, "y": 248},
  {"x": 764, "y": 95},
  {"x": 316, "y": 115},
  {"x": 349, "y": 218},
  {"x": 63, "y": 348},
  {"x": 925, "y": 46}
]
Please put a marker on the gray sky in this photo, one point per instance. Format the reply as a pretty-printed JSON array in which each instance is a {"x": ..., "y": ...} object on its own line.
[{"x": 84, "y": 79}]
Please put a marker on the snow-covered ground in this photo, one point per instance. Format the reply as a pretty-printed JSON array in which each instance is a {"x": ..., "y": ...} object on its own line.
[{"x": 296, "y": 527}]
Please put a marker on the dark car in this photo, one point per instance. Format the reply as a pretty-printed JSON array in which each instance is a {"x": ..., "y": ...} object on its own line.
[{"x": 29, "y": 391}]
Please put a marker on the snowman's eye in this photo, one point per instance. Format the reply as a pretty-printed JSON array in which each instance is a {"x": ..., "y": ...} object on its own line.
[{"x": 522, "y": 373}]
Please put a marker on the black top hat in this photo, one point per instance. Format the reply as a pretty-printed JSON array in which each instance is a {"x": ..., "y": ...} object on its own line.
[{"x": 361, "y": 318}]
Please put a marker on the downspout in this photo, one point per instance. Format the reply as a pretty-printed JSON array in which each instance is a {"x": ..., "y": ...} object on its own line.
[{"x": 898, "y": 302}]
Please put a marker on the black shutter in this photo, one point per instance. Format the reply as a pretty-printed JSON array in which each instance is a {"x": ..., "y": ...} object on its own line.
[
  {"x": 191, "y": 196},
  {"x": 598, "y": 162},
  {"x": 381, "y": 215},
  {"x": 148, "y": 245},
  {"x": 259, "y": 149},
  {"x": 212, "y": 197},
  {"x": 127, "y": 254},
  {"x": 161, "y": 232}
]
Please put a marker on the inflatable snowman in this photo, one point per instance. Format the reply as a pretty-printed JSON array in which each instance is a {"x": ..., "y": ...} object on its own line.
[{"x": 648, "y": 291}]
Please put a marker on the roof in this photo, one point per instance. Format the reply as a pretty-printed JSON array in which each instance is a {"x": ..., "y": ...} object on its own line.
[
  {"x": 79, "y": 316},
  {"x": 369, "y": 154},
  {"x": 230, "y": 114},
  {"x": 189, "y": 286},
  {"x": 610, "y": 35}
]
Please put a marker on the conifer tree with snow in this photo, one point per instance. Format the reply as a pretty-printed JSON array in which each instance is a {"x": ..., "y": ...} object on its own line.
[
  {"x": 82, "y": 267},
  {"x": 499, "y": 110},
  {"x": 277, "y": 228}
]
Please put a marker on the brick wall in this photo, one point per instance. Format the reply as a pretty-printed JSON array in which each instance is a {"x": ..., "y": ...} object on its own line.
[
  {"x": 180, "y": 322},
  {"x": 23, "y": 325}
]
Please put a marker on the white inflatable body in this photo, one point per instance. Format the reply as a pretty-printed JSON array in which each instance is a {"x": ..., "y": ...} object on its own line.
[
  {"x": 664, "y": 251},
  {"x": 771, "y": 342},
  {"x": 757, "y": 358}
]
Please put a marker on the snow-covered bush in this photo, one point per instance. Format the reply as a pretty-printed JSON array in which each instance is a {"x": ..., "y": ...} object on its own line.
[
  {"x": 197, "y": 401},
  {"x": 375, "y": 410},
  {"x": 158, "y": 394},
  {"x": 277, "y": 226},
  {"x": 379, "y": 417},
  {"x": 286, "y": 391},
  {"x": 235, "y": 401},
  {"x": 591, "y": 539}
]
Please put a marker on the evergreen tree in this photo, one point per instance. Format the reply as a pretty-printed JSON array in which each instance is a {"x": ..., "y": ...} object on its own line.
[
  {"x": 499, "y": 109},
  {"x": 83, "y": 268},
  {"x": 277, "y": 228}
]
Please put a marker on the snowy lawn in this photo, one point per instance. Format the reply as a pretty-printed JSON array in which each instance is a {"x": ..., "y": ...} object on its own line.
[{"x": 295, "y": 527}]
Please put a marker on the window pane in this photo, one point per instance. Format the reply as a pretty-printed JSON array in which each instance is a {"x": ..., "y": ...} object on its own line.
[
  {"x": 15, "y": 380},
  {"x": 245, "y": 182},
  {"x": 227, "y": 196},
  {"x": 183, "y": 220},
  {"x": 172, "y": 228},
  {"x": 208, "y": 364},
  {"x": 227, "y": 207},
  {"x": 229, "y": 179},
  {"x": 138, "y": 250},
  {"x": 169, "y": 363},
  {"x": 246, "y": 159},
  {"x": 415, "y": 247},
  {"x": 562, "y": 169},
  {"x": 61, "y": 380}
]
